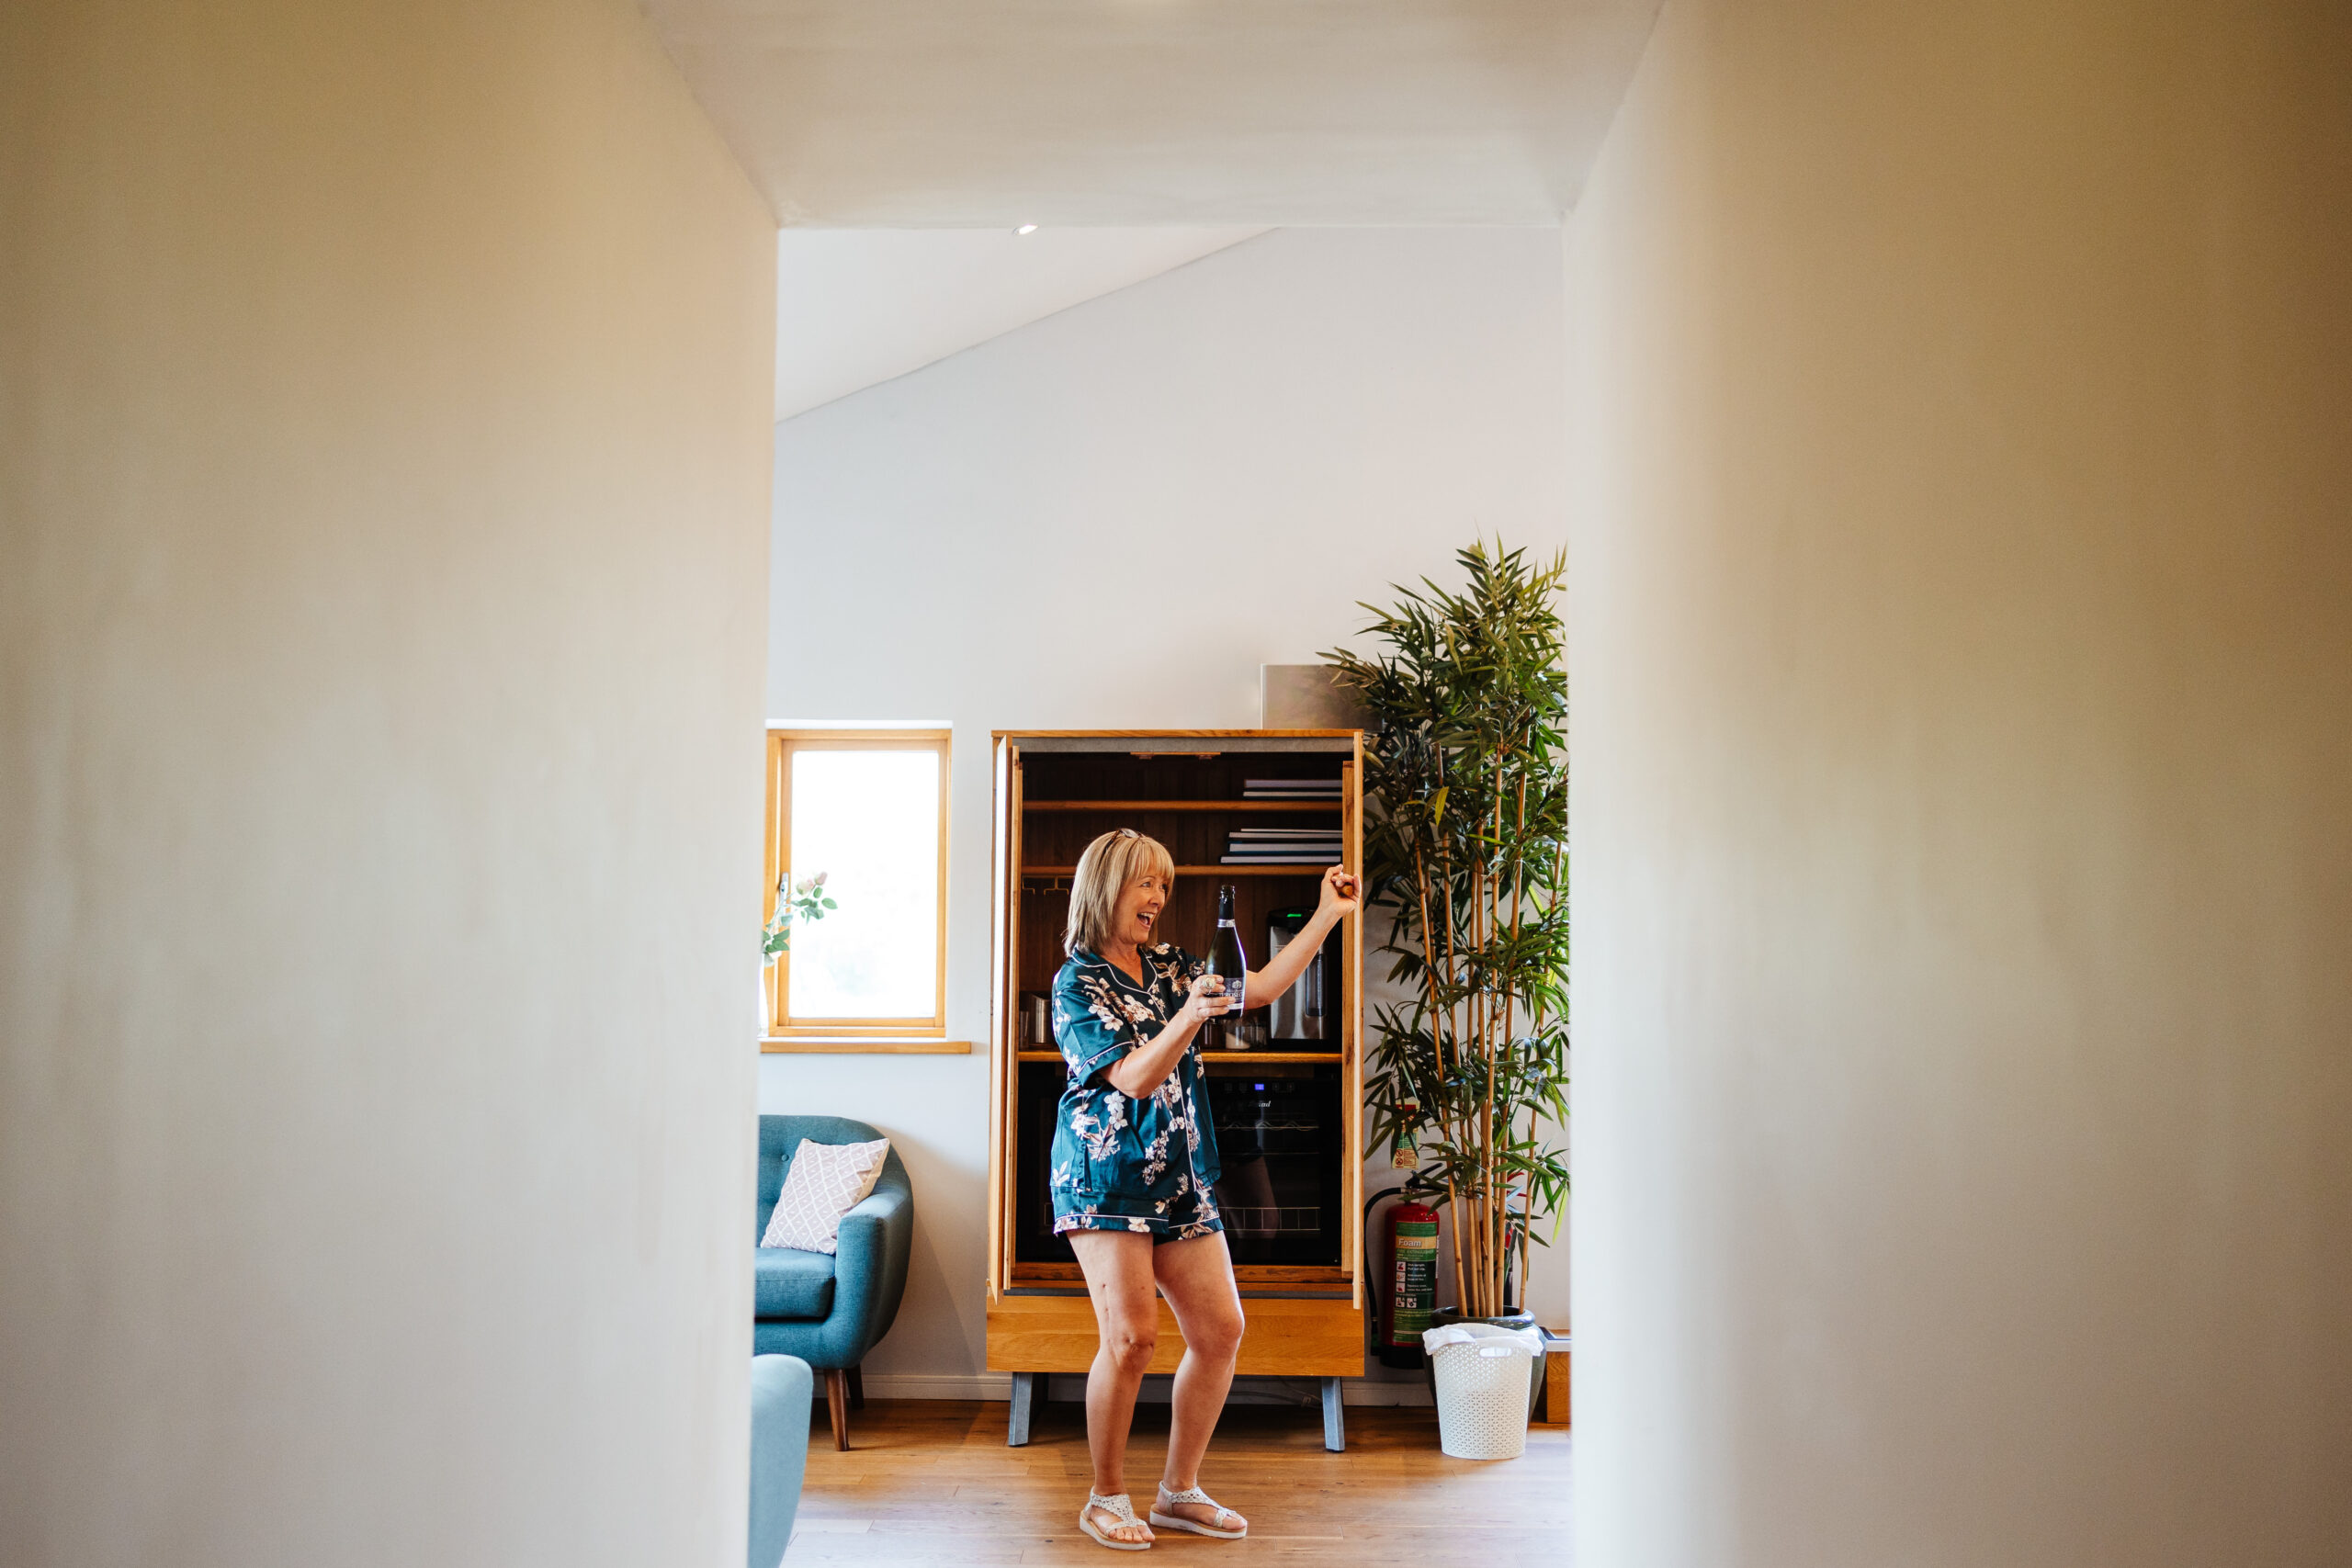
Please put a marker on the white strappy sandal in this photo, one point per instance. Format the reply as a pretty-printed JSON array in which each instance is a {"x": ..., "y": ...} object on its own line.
[
  {"x": 1164, "y": 1520},
  {"x": 1122, "y": 1507}
]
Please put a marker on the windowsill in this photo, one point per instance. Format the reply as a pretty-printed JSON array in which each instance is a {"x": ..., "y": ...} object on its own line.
[{"x": 773, "y": 1045}]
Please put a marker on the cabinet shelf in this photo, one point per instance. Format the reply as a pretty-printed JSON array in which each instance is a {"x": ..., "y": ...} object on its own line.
[
  {"x": 1249, "y": 1276},
  {"x": 1181, "y": 805},
  {"x": 1274, "y": 868},
  {"x": 1273, "y": 1058}
]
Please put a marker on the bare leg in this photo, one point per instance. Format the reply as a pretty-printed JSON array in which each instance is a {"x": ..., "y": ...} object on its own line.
[
  {"x": 1197, "y": 1278},
  {"x": 1117, "y": 1265}
]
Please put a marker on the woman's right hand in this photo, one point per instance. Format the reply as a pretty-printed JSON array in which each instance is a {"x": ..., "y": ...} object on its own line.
[{"x": 1207, "y": 1000}]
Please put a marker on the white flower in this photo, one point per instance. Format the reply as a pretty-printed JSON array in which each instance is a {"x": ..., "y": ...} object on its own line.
[{"x": 1105, "y": 1144}]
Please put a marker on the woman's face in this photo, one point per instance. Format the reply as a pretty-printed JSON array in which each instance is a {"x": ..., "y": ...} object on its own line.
[{"x": 1138, "y": 912}]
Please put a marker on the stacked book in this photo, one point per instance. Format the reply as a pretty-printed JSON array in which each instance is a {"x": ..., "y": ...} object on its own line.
[
  {"x": 1290, "y": 789},
  {"x": 1282, "y": 846}
]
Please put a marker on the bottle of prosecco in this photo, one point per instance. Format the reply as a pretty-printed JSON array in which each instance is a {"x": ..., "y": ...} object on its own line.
[{"x": 1228, "y": 964}]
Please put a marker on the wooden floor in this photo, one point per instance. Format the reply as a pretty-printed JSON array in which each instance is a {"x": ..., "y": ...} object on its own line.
[{"x": 932, "y": 1483}]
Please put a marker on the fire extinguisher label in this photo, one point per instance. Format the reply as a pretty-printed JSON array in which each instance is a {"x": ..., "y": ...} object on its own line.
[{"x": 1414, "y": 1290}]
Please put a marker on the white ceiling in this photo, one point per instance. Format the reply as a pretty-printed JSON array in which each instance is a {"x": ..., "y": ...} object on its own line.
[
  {"x": 858, "y": 306},
  {"x": 991, "y": 113}
]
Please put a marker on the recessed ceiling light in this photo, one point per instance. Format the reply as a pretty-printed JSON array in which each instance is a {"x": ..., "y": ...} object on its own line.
[{"x": 1026, "y": 228}]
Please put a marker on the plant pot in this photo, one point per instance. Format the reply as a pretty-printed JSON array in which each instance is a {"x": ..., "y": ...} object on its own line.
[{"x": 1444, "y": 1315}]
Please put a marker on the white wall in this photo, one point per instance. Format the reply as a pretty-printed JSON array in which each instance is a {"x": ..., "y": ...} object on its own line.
[
  {"x": 1962, "y": 682},
  {"x": 857, "y": 307},
  {"x": 1112, "y": 517},
  {"x": 384, "y": 436}
]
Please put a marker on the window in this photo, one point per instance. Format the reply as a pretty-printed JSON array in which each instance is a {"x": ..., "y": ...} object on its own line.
[{"x": 867, "y": 809}]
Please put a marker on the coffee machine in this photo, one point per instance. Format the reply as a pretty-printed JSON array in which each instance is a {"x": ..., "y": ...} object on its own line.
[{"x": 1297, "y": 1017}]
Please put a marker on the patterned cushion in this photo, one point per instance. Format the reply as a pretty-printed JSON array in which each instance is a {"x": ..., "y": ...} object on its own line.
[{"x": 825, "y": 1181}]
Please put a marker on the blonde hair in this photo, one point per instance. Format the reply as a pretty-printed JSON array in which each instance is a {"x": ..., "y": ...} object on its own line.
[{"x": 1103, "y": 872}]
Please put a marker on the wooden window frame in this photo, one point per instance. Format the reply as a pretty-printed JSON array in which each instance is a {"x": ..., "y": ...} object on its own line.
[{"x": 783, "y": 745}]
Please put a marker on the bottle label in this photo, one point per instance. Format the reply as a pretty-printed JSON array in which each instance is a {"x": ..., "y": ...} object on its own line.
[{"x": 1227, "y": 963}]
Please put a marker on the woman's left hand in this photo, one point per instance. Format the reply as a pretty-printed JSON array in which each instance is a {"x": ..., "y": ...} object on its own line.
[{"x": 1342, "y": 893}]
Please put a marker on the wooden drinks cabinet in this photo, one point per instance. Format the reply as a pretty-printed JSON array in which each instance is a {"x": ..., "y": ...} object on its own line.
[{"x": 1292, "y": 1198}]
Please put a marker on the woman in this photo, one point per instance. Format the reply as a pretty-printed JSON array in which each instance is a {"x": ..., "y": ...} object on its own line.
[{"x": 1133, "y": 1162}]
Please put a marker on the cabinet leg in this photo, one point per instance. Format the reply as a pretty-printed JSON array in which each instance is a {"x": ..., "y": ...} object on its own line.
[
  {"x": 1024, "y": 1390},
  {"x": 1335, "y": 1423}
]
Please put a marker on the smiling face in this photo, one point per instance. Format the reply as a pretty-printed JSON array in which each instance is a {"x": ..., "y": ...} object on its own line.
[
  {"x": 1137, "y": 915},
  {"x": 1121, "y": 885}
]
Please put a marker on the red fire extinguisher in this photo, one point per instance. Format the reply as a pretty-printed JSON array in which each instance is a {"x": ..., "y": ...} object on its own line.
[
  {"x": 1412, "y": 1283},
  {"x": 1410, "y": 1255}
]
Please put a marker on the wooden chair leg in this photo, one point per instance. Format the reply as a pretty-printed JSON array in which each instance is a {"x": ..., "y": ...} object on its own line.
[
  {"x": 857, "y": 1388},
  {"x": 837, "y": 1404}
]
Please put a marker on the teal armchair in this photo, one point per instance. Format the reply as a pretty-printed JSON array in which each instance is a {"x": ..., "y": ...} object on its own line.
[{"x": 830, "y": 1310}]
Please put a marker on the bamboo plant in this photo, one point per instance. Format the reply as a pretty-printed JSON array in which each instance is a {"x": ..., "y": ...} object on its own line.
[{"x": 1466, "y": 846}]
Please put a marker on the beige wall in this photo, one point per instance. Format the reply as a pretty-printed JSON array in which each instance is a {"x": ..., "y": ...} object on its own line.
[
  {"x": 1964, "y": 816},
  {"x": 384, "y": 449}
]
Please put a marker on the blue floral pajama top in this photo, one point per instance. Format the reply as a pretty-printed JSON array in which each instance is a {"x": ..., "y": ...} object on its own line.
[{"x": 1130, "y": 1165}]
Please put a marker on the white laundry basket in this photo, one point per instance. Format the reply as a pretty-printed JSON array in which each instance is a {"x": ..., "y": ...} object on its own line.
[{"x": 1483, "y": 1373}]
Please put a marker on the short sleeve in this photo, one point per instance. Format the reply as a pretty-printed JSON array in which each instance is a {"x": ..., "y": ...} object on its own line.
[{"x": 1090, "y": 1025}]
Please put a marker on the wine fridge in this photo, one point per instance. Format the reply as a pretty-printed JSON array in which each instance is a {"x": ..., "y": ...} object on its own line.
[{"x": 1278, "y": 1134}]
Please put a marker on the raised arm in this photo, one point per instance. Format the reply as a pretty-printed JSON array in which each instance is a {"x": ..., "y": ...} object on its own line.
[{"x": 1341, "y": 897}]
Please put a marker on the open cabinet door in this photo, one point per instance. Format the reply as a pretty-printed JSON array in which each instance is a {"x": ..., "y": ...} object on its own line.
[
  {"x": 1005, "y": 1010},
  {"x": 772, "y": 860},
  {"x": 1352, "y": 1023}
]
